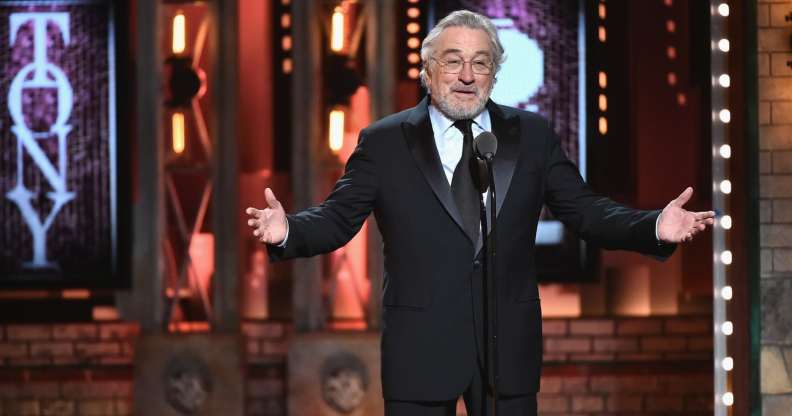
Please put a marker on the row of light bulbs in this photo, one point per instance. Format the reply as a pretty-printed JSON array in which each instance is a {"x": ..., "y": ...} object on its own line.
[{"x": 725, "y": 257}]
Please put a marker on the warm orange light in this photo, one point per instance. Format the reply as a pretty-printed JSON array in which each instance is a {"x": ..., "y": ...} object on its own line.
[
  {"x": 287, "y": 66},
  {"x": 672, "y": 78},
  {"x": 603, "y": 125},
  {"x": 671, "y": 26},
  {"x": 413, "y": 43},
  {"x": 336, "y": 130},
  {"x": 413, "y": 28},
  {"x": 603, "y": 102},
  {"x": 76, "y": 294},
  {"x": 681, "y": 99},
  {"x": 413, "y": 58},
  {"x": 177, "y": 132},
  {"x": 671, "y": 52},
  {"x": 179, "y": 33},
  {"x": 602, "y": 11},
  {"x": 285, "y": 21},
  {"x": 413, "y": 73},
  {"x": 286, "y": 43},
  {"x": 337, "y": 30},
  {"x": 602, "y": 34},
  {"x": 603, "y": 79},
  {"x": 413, "y": 12}
]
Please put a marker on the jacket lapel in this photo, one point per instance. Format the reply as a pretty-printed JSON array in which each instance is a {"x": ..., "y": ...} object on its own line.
[
  {"x": 420, "y": 139},
  {"x": 506, "y": 127}
]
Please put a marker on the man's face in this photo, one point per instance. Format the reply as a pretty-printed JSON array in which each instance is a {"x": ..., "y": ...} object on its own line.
[{"x": 464, "y": 94}]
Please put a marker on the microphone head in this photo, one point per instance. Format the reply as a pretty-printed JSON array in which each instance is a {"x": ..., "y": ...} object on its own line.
[{"x": 485, "y": 145}]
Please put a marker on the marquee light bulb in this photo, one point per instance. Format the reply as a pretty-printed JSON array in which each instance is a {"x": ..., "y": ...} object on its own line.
[
  {"x": 723, "y": 9},
  {"x": 723, "y": 45},
  {"x": 725, "y": 151},
  {"x": 726, "y": 257},
  {"x": 724, "y": 80},
  {"x": 726, "y": 222},
  {"x": 726, "y": 186},
  {"x": 726, "y": 292},
  {"x": 725, "y": 115}
]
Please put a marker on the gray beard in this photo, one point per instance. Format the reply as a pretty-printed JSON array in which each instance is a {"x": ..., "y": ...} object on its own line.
[{"x": 457, "y": 113}]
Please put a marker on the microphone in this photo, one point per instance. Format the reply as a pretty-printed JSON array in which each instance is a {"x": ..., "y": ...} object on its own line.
[{"x": 485, "y": 146}]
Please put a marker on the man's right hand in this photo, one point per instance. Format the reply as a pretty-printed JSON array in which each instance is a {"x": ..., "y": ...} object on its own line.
[{"x": 268, "y": 224}]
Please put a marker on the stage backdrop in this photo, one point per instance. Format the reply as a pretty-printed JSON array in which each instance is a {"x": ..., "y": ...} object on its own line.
[
  {"x": 59, "y": 198},
  {"x": 544, "y": 72}
]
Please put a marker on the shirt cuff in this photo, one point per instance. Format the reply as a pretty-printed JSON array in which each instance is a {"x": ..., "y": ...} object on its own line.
[
  {"x": 285, "y": 239},
  {"x": 657, "y": 229}
]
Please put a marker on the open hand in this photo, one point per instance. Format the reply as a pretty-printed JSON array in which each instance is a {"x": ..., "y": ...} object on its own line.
[
  {"x": 269, "y": 224},
  {"x": 678, "y": 225}
]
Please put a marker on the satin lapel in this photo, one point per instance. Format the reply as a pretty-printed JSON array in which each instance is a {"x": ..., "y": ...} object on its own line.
[
  {"x": 420, "y": 139},
  {"x": 507, "y": 129}
]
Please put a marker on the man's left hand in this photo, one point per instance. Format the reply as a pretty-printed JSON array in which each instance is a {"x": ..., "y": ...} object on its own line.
[{"x": 678, "y": 225}]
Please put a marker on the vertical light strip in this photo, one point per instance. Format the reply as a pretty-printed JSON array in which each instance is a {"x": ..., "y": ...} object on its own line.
[
  {"x": 722, "y": 257},
  {"x": 179, "y": 33},
  {"x": 336, "y": 130},
  {"x": 337, "y": 30}
]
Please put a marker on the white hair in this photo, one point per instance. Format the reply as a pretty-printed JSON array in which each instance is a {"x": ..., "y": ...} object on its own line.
[{"x": 462, "y": 18}]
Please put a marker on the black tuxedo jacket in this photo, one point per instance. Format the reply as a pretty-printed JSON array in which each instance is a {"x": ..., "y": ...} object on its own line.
[{"x": 432, "y": 284}]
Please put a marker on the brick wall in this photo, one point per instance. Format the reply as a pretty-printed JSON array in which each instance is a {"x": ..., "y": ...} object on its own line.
[
  {"x": 775, "y": 141},
  {"x": 641, "y": 366},
  {"x": 592, "y": 367}
]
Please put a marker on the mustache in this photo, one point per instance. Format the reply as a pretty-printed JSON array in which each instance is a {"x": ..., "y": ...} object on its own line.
[{"x": 464, "y": 88}]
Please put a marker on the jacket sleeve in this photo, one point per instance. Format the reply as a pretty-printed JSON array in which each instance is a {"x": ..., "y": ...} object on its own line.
[
  {"x": 595, "y": 218},
  {"x": 331, "y": 224}
]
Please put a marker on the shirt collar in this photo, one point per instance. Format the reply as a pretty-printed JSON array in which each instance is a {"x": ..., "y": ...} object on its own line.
[{"x": 441, "y": 123}]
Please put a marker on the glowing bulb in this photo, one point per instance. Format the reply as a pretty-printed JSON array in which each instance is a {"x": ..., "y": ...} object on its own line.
[
  {"x": 337, "y": 30},
  {"x": 723, "y": 45},
  {"x": 724, "y": 80},
  {"x": 602, "y": 34},
  {"x": 603, "y": 79},
  {"x": 728, "y": 398},
  {"x": 725, "y": 115},
  {"x": 603, "y": 102},
  {"x": 179, "y": 28},
  {"x": 726, "y": 257},
  {"x": 413, "y": 73},
  {"x": 413, "y": 28},
  {"x": 725, "y": 186},
  {"x": 413, "y": 58},
  {"x": 603, "y": 125},
  {"x": 726, "y": 292},
  {"x": 725, "y": 151},
  {"x": 336, "y": 130},
  {"x": 413, "y": 12},
  {"x": 726, "y": 222},
  {"x": 413, "y": 43},
  {"x": 723, "y": 9},
  {"x": 727, "y": 328},
  {"x": 727, "y": 363},
  {"x": 177, "y": 132}
]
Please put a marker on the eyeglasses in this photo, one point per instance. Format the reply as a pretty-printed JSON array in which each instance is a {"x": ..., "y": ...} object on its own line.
[{"x": 454, "y": 65}]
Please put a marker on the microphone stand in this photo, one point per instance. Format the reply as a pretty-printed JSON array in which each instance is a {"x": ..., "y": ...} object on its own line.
[{"x": 490, "y": 293}]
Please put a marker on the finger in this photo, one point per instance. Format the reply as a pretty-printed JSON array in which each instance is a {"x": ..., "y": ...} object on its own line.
[
  {"x": 253, "y": 223},
  {"x": 704, "y": 214},
  {"x": 271, "y": 200},
  {"x": 683, "y": 198},
  {"x": 250, "y": 210},
  {"x": 256, "y": 232}
]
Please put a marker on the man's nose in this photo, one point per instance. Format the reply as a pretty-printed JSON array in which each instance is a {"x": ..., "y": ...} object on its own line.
[{"x": 466, "y": 74}]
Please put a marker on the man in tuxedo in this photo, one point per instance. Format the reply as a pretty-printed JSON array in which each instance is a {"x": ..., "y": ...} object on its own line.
[{"x": 411, "y": 170}]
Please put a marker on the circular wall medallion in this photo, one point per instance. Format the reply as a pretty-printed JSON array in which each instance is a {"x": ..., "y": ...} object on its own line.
[{"x": 345, "y": 380}]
